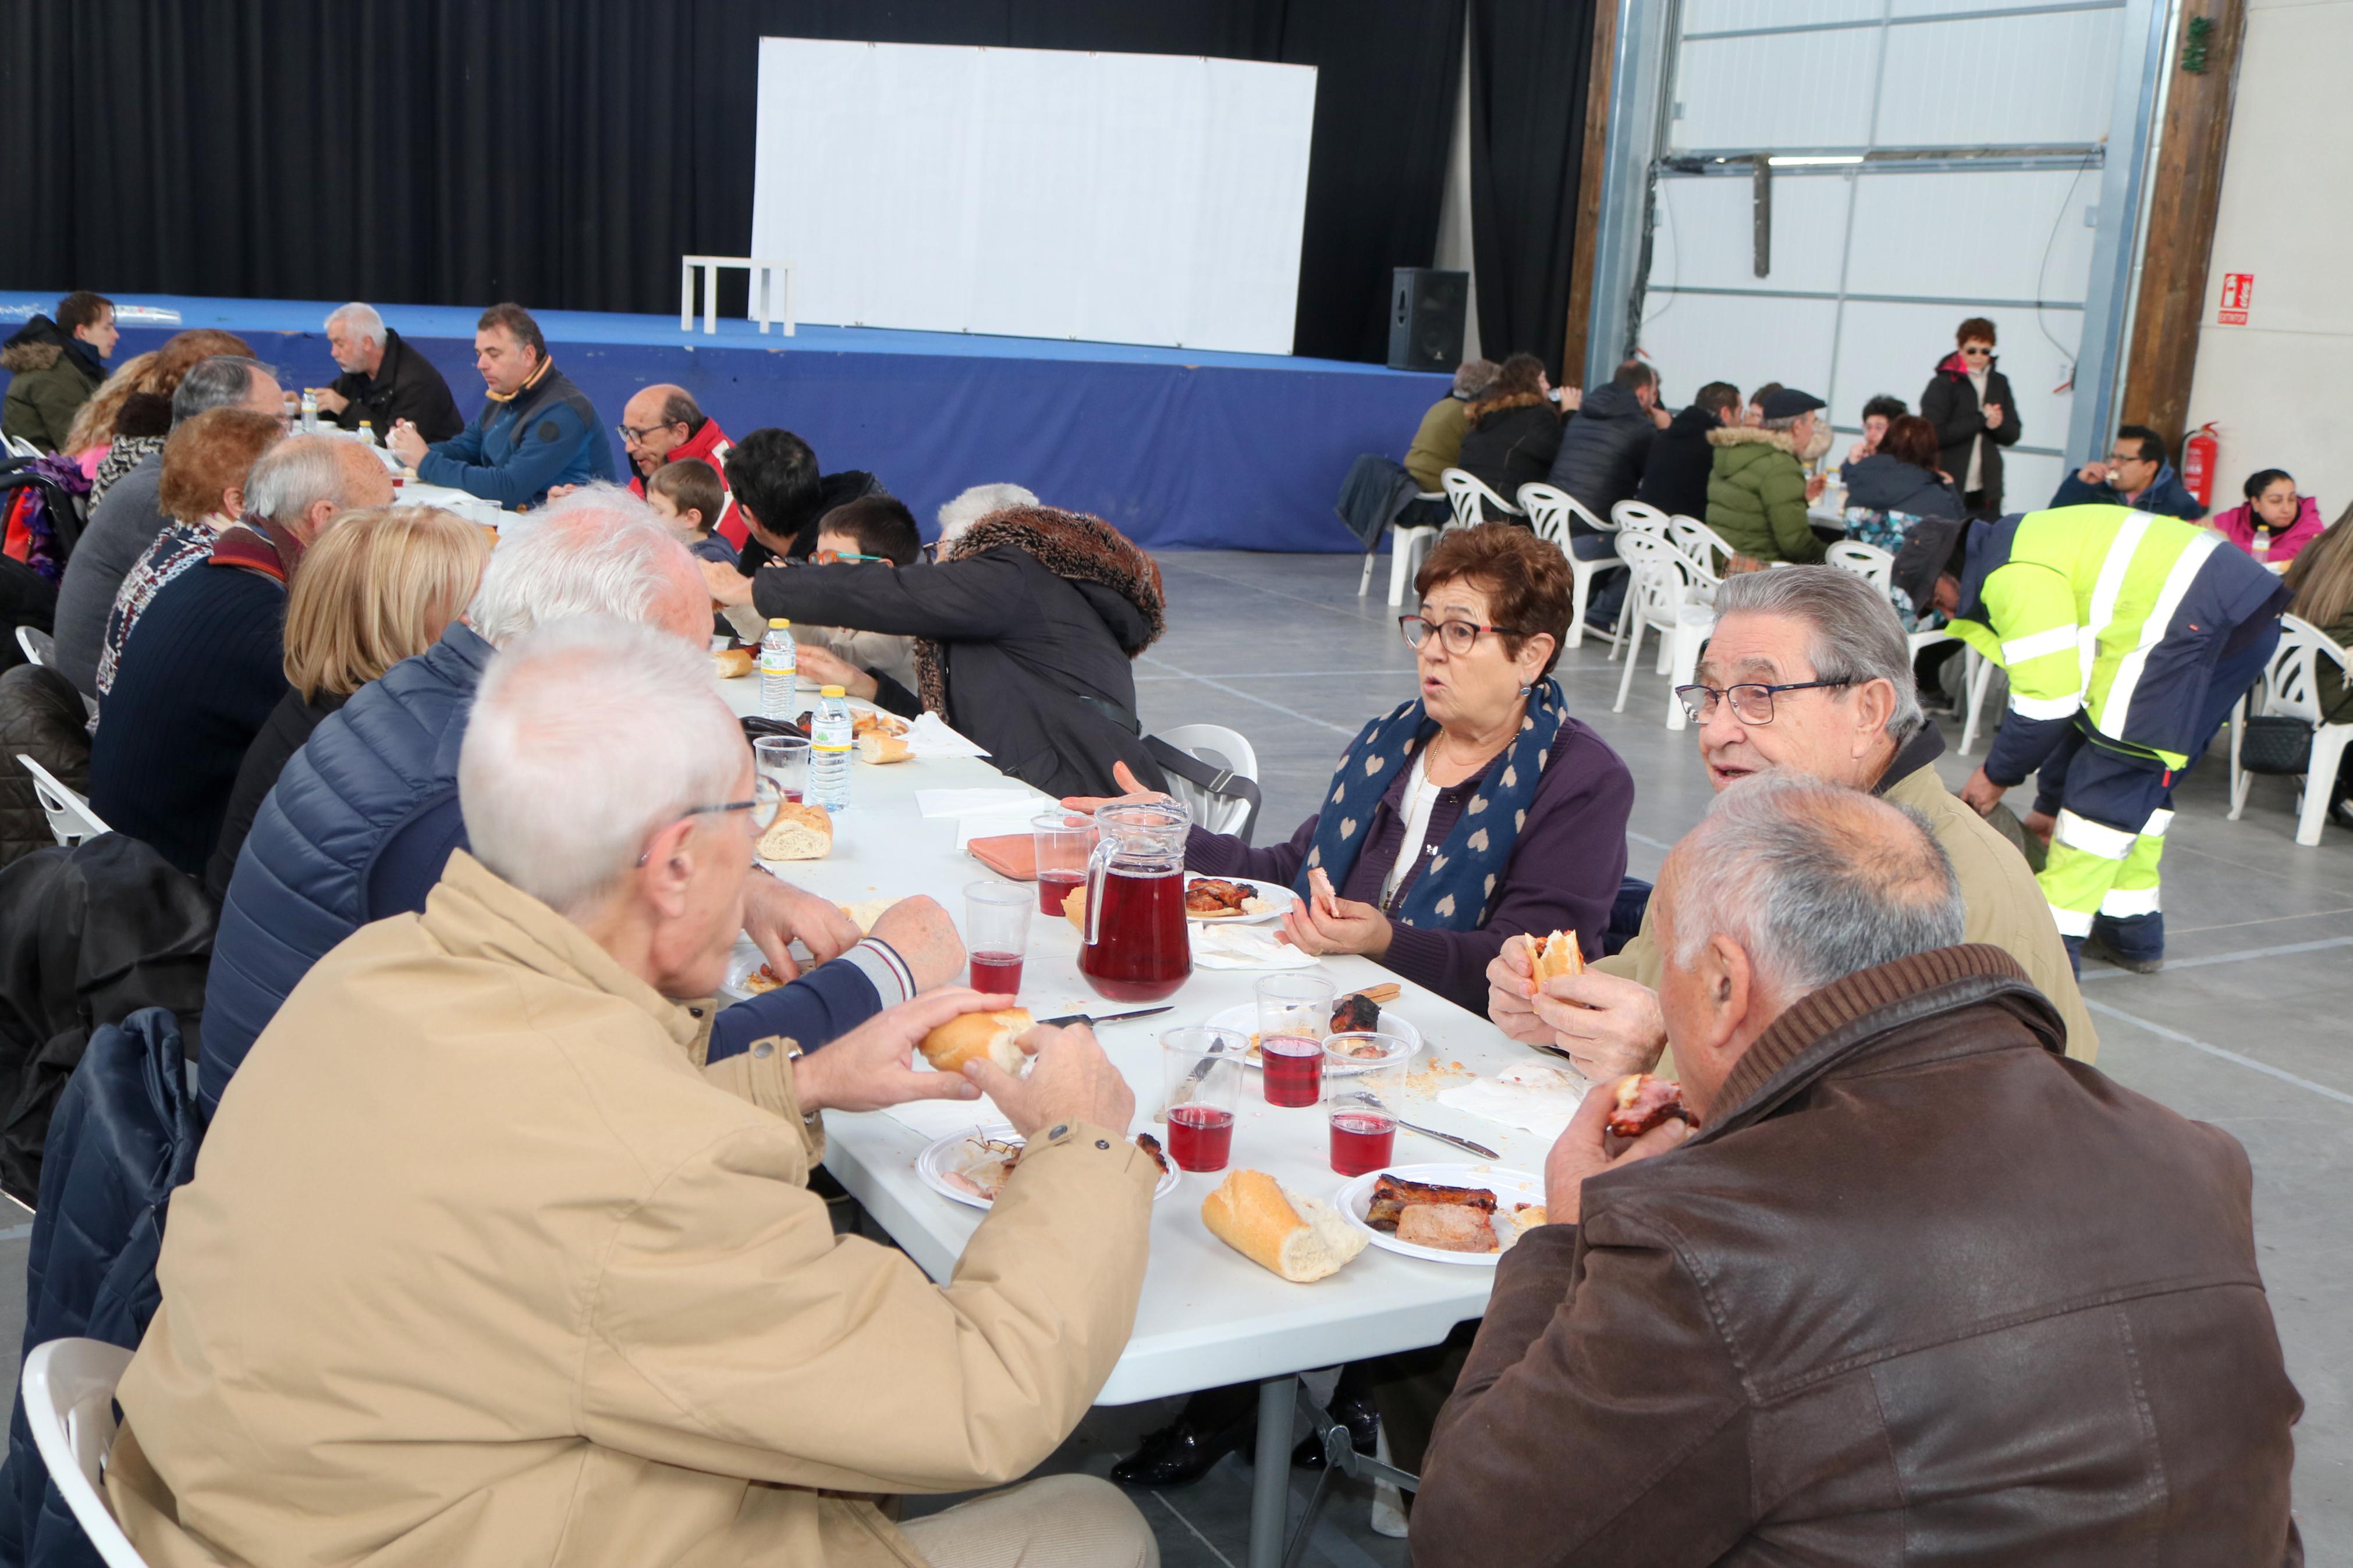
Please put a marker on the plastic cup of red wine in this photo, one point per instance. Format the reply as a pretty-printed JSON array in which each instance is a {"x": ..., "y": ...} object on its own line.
[
  {"x": 997, "y": 934},
  {"x": 1062, "y": 845},
  {"x": 1294, "y": 1015},
  {"x": 1203, "y": 1074},
  {"x": 783, "y": 760},
  {"x": 1363, "y": 1079}
]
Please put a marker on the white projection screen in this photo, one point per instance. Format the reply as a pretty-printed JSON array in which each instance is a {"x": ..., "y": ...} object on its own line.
[{"x": 1035, "y": 192}]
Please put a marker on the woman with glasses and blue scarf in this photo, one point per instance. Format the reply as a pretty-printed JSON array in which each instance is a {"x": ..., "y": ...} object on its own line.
[
  {"x": 1480, "y": 809},
  {"x": 1477, "y": 811}
]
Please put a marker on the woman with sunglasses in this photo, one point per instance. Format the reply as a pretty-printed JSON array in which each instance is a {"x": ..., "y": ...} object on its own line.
[
  {"x": 1968, "y": 402},
  {"x": 1477, "y": 811}
]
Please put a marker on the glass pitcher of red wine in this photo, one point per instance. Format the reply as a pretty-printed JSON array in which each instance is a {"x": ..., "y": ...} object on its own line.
[{"x": 1137, "y": 947}]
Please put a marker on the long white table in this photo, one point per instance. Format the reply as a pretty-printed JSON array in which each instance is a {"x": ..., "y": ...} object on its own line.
[{"x": 1208, "y": 1317}]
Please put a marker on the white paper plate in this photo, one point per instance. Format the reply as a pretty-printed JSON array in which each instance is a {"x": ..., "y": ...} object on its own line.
[
  {"x": 1245, "y": 1019},
  {"x": 740, "y": 965},
  {"x": 1355, "y": 1197},
  {"x": 942, "y": 1155},
  {"x": 1282, "y": 897}
]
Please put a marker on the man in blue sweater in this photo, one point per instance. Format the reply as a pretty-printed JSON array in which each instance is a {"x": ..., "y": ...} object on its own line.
[
  {"x": 536, "y": 431},
  {"x": 365, "y": 817},
  {"x": 2135, "y": 475}
]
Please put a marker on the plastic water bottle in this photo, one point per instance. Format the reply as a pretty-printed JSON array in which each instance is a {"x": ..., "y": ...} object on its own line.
[
  {"x": 368, "y": 434},
  {"x": 777, "y": 661},
  {"x": 310, "y": 412},
  {"x": 830, "y": 747}
]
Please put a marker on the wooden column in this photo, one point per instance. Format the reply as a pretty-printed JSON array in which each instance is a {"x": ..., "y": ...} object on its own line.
[
  {"x": 1588, "y": 190},
  {"x": 2186, "y": 192}
]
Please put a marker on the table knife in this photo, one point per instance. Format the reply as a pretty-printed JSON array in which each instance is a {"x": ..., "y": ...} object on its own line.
[{"x": 1093, "y": 1019}]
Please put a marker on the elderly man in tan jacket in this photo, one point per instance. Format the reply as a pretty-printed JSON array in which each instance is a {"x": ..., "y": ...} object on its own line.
[
  {"x": 1818, "y": 676},
  {"x": 482, "y": 1266}
]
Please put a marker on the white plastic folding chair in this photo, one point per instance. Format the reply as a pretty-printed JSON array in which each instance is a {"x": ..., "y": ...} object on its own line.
[
  {"x": 1408, "y": 545},
  {"x": 2290, "y": 688},
  {"x": 1642, "y": 517},
  {"x": 1220, "y": 747},
  {"x": 72, "y": 821},
  {"x": 20, "y": 447},
  {"x": 69, "y": 1388},
  {"x": 1669, "y": 594},
  {"x": 1549, "y": 511},
  {"x": 1877, "y": 567},
  {"x": 1468, "y": 494},
  {"x": 40, "y": 646},
  {"x": 1697, "y": 539}
]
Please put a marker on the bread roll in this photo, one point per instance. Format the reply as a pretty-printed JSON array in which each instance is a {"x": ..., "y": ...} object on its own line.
[
  {"x": 800, "y": 833},
  {"x": 732, "y": 662},
  {"x": 1297, "y": 1237},
  {"x": 1074, "y": 908},
  {"x": 864, "y": 914},
  {"x": 968, "y": 1036},
  {"x": 1555, "y": 954},
  {"x": 877, "y": 747}
]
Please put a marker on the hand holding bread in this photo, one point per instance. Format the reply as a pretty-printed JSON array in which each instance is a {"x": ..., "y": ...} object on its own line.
[
  {"x": 873, "y": 1067},
  {"x": 1070, "y": 1080}
]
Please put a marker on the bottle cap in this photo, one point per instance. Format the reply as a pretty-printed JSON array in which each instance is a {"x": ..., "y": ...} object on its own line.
[
  {"x": 778, "y": 621},
  {"x": 833, "y": 691}
]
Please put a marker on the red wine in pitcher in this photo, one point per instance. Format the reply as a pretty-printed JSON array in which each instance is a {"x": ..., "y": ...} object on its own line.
[
  {"x": 996, "y": 973},
  {"x": 1362, "y": 1140},
  {"x": 1142, "y": 951},
  {"x": 1201, "y": 1137},
  {"x": 1054, "y": 887}
]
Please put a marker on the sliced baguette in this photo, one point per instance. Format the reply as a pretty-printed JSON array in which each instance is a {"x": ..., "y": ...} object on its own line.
[{"x": 1298, "y": 1237}]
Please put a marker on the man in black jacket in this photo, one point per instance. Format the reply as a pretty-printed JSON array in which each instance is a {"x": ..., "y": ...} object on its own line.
[
  {"x": 384, "y": 379},
  {"x": 1674, "y": 475},
  {"x": 1916, "y": 1289},
  {"x": 1603, "y": 449}
]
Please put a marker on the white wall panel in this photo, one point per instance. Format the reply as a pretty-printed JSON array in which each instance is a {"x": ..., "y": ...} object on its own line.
[
  {"x": 2001, "y": 81},
  {"x": 1993, "y": 235},
  {"x": 1705, "y": 235},
  {"x": 2277, "y": 388},
  {"x": 1787, "y": 89},
  {"x": 1125, "y": 198},
  {"x": 1697, "y": 338},
  {"x": 1945, "y": 7},
  {"x": 1723, "y": 15}
]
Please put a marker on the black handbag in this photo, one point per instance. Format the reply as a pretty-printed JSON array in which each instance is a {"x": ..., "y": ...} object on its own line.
[{"x": 2275, "y": 744}]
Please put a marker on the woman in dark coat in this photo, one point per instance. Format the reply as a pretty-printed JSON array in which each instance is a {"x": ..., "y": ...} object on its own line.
[
  {"x": 1894, "y": 488},
  {"x": 1513, "y": 430},
  {"x": 1026, "y": 628},
  {"x": 1968, "y": 402}
]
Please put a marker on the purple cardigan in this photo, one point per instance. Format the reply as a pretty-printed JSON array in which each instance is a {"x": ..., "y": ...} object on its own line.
[{"x": 1562, "y": 873}]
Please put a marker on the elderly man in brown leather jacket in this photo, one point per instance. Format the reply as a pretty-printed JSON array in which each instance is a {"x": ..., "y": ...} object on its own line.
[{"x": 1917, "y": 1288}]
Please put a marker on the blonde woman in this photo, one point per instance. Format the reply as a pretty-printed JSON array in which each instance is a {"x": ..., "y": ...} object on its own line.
[{"x": 377, "y": 587}]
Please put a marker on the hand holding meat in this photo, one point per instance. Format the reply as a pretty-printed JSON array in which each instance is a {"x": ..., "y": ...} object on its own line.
[
  {"x": 1581, "y": 1151},
  {"x": 1071, "y": 1081},
  {"x": 775, "y": 912}
]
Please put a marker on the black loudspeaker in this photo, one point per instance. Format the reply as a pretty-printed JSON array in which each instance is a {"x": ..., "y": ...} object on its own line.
[{"x": 1426, "y": 311}]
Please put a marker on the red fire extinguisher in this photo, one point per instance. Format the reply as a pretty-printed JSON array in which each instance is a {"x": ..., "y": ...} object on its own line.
[{"x": 2198, "y": 455}]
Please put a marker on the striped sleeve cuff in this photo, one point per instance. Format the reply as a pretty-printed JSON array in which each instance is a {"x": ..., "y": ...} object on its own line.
[{"x": 878, "y": 961}]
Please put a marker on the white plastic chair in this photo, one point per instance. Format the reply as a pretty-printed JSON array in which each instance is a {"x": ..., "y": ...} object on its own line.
[
  {"x": 1642, "y": 517},
  {"x": 39, "y": 648},
  {"x": 1466, "y": 493},
  {"x": 1696, "y": 539},
  {"x": 1222, "y": 748},
  {"x": 1408, "y": 545},
  {"x": 1675, "y": 595},
  {"x": 72, "y": 821},
  {"x": 2290, "y": 688},
  {"x": 21, "y": 448},
  {"x": 1549, "y": 509},
  {"x": 1877, "y": 567},
  {"x": 68, "y": 1387}
]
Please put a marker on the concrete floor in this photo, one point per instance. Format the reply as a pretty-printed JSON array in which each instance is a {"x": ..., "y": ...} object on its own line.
[{"x": 2246, "y": 1026}]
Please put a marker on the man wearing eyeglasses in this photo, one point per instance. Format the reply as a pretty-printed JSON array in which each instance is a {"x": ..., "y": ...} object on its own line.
[
  {"x": 1808, "y": 671},
  {"x": 2134, "y": 474},
  {"x": 662, "y": 423}
]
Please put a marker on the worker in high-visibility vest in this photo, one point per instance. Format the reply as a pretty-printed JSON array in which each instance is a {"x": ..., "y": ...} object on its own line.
[{"x": 2128, "y": 638}]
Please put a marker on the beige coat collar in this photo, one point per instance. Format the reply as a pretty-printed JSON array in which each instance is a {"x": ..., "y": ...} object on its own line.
[{"x": 1752, "y": 434}]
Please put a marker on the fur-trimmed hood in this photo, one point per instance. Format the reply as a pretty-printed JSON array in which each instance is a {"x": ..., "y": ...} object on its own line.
[
  {"x": 1487, "y": 406},
  {"x": 1752, "y": 434}
]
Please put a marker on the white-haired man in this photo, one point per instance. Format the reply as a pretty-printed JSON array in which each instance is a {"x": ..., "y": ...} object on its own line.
[
  {"x": 1808, "y": 672},
  {"x": 204, "y": 664},
  {"x": 384, "y": 379},
  {"x": 366, "y": 815},
  {"x": 1916, "y": 1286},
  {"x": 484, "y": 1263},
  {"x": 970, "y": 505}
]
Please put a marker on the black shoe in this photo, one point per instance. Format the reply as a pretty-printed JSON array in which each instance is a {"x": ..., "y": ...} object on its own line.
[
  {"x": 1180, "y": 1453},
  {"x": 1357, "y": 1415},
  {"x": 2095, "y": 948}
]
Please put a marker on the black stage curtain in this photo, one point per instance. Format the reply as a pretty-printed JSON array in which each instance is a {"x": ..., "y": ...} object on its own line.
[
  {"x": 565, "y": 152},
  {"x": 1531, "y": 67}
]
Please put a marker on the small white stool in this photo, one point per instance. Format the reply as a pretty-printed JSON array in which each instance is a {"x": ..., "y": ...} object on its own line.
[{"x": 761, "y": 272}]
